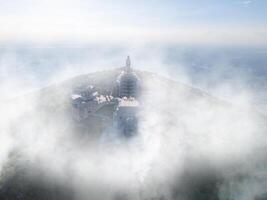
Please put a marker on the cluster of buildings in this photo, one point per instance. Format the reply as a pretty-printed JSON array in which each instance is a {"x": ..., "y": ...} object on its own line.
[{"x": 124, "y": 102}]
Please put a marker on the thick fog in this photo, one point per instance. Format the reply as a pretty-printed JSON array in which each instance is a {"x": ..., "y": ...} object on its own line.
[{"x": 202, "y": 116}]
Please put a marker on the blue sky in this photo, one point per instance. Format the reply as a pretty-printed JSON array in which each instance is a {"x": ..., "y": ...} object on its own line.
[
  {"x": 171, "y": 12},
  {"x": 180, "y": 21}
]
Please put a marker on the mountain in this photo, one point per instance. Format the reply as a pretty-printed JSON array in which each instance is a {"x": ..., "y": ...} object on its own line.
[{"x": 190, "y": 145}]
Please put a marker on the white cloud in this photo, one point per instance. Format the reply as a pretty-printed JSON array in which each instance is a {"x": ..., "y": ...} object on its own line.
[
  {"x": 76, "y": 21},
  {"x": 247, "y": 2}
]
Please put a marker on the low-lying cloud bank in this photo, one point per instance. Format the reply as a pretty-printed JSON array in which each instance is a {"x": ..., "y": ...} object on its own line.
[{"x": 187, "y": 139}]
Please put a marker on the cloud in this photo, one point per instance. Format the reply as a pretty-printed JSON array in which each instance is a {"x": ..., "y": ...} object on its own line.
[
  {"x": 179, "y": 124},
  {"x": 80, "y": 22},
  {"x": 72, "y": 33},
  {"x": 247, "y": 2}
]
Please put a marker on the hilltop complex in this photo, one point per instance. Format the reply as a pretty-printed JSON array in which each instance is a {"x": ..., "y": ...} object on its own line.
[{"x": 123, "y": 97}]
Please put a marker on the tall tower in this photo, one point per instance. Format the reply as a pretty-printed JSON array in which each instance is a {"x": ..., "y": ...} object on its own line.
[
  {"x": 125, "y": 115},
  {"x": 128, "y": 64},
  {"x": 128, "y": 82}
]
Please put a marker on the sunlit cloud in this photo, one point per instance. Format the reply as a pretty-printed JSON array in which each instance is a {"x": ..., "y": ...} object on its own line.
[
  {"x": 91, "y": 21},
  {"x": 247, "y": 2}
]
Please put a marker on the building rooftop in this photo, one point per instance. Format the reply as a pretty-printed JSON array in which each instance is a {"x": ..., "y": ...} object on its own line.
[{"x": 128, "y": 102}]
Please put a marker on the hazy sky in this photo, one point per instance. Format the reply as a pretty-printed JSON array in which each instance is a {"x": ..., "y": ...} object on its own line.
[{"x": 182, "y": 21}]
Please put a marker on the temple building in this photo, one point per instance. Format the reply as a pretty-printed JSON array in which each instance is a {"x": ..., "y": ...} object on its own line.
[
  {"x": 89, "y": 101},
  {"x": 128, "y": 82},
  {"x": 125, "y": 115}
]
